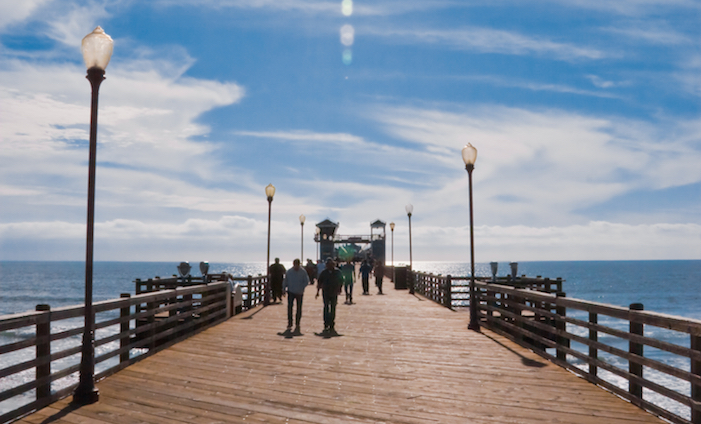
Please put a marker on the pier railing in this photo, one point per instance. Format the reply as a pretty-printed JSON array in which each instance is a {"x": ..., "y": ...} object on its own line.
[
  {"x": 619, "y": 349},
  {"x": 606, "y": 344},
  {"x": 252, "y": 288},
  {"x": 454, "y": 292},
  {"x": 126, "y": 330}
]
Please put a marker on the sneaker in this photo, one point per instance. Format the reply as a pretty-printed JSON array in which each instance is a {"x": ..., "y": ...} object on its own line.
[{"x": 297, "y": 331}]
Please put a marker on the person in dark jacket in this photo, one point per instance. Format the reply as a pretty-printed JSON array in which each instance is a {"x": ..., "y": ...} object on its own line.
[
  {"x": 379, "y": 275},
  {"x": 277, "y": 275},
  {"x": 330, "y": 284},
  {"x": 311, "y": 269},
  {"x": 365, "y": 270}
]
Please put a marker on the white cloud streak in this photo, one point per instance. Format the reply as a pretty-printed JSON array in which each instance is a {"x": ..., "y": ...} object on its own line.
[{"x": 487, "y": 40}]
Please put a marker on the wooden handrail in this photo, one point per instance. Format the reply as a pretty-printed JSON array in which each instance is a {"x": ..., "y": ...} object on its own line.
[{"x": 172, "y": 315}]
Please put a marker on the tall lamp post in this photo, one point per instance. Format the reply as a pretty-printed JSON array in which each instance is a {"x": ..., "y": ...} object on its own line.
[
  {"x": 317, "y": 239},
  {"x": 409, "y": 210},
  {"x": 391, "y": 227},
  {"x": 97, "y": 51},
  {"x": 469, "y": 156},
  {"x": 302, "y": 218},
  {"x": 270, "y": 192}
]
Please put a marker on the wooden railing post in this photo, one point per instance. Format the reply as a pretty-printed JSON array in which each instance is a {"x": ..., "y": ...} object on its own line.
[
  {"x": 695, "y": 388},
  {"x": 151, "y": 320},
  {"x": 229, "y": 301},
  {"x": 594, "y": 337},
  {"x": 448, "y": 295},
  {"x": 43, "y": 350},
  {"x": 634, "y": 368},
  {"x": 249, "y": 292},
  {"x": 124, "y": 328},
  {"x": 561, "y": 325}
]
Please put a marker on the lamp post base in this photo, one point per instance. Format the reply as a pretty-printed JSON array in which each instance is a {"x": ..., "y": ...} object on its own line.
[
  {"x": 474, "y": 326},
  {"x": 86, "y": 396}
]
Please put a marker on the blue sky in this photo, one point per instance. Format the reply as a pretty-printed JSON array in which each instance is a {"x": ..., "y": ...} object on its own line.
[{"x": 586, "y": 117}]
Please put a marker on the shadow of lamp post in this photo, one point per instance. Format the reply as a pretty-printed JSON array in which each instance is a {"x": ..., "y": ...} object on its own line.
[
  {"x": 97, "y": 51},
  {"x": 469, "y": 156},
  {"x": 270, "y": 192},
  {"x": 302, "y": 218},
  {"x": 409, "y": 210}
]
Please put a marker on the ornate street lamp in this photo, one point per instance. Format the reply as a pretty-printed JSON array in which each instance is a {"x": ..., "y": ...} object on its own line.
[
  {"x": 409, "y": 210},
  {"x": 97, "y": 51},
  {"x": 469, "y": 156},
  {"x": 270, "y": 192},
  {"x": 317, "y": 239},
  {"x": 391, "y": 227},
  {"x": 302, "y": 218}
]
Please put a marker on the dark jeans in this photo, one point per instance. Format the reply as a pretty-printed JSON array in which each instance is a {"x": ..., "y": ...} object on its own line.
[
  {"x": 378, "y": 283},
  {"x": 366, "y": 283},
  {"x": 276, "y": 288},
  {"x": 330, "y": 311},
  {"x": 291, "y": 297}
]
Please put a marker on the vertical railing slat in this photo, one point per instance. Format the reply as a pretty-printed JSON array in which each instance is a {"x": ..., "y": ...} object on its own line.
[
  {"x": 43, "y": 350},
  {"x": 634, "y": 368}
]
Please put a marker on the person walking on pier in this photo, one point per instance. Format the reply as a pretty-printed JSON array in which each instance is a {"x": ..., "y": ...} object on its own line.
[
  {"x": 379, "y": 275},
  {"x": 330, "y": 284},
  {"x": 311, "y": 271},
  {"x": 277, "y": 275},
  {"x": 365, "y": 270},
  {"x": 348, "y": 273},
  {"x": 296, "y": 280}
]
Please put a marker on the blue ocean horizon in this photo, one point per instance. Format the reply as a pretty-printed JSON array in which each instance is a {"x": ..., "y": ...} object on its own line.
[{"x": 665, "y": 286}]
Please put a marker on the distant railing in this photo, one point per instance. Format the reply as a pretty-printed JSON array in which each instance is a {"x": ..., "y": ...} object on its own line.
[
  {"x": 126, "y": 330},
  {"x": 253, "y": 288},
  {"x": 583, "y": 344},
  {"x": 454, "y": 292}
]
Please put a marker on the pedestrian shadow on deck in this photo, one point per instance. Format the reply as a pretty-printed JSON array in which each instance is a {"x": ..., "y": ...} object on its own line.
[{"x": 526, "y": 361}]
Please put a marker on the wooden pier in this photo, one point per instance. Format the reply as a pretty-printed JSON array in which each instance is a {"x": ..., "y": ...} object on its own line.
[{"x": 400, "y": 359}]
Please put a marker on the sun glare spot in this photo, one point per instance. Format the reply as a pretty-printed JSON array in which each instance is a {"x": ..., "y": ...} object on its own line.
[
  {"x": 347, "y": 7},
  {"x": 347, "y": 56},
  {"x": 347, "y": 35}
]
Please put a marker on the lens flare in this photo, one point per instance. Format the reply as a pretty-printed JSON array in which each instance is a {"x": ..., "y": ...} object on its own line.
[
  {"x": 347, "y": 7},
  {"x": 347, "y": 56},
  {"x": 347, "y": 35}
]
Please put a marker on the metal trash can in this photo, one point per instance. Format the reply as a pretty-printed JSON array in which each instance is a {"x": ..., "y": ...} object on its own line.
[{"x": 401, "y": 273}]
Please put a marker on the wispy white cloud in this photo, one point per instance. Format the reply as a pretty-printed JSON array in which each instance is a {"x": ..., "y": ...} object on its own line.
[
  {"x": 17, "y": 11},
  {"x": 596, "y": 240},
  {"x": 645, "y": 32},
  {"x": 539, "y": 86},
  {"x": 487, "y": 40},
  {"x": 630, "y": 7},
  {"x": 600, "y": 82},
  {"x": 232, "y": 236},
  {"x": 326, "y": 7},
  {"x": 540, "y": 167}
]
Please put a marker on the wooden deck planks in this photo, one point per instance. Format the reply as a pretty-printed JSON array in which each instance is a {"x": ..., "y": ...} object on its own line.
[{"x": 401, "y": 359}]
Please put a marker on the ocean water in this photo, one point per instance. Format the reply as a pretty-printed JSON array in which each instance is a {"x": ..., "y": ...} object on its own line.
[{"x": 670, "y": 287}]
